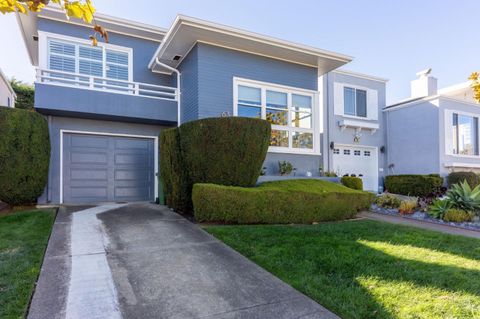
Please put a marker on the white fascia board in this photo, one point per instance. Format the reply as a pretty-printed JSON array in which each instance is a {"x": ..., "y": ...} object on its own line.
[
  {"x": 7, "y": 83},
  {"x": 360, "y": 75},
  {"x": 242, "y": 34}
]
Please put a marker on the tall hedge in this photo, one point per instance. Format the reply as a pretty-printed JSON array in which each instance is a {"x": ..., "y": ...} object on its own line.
[
  {"x": 413, "y": 185},
  {"x": 174, "y": 176},
  {"x": 24, "y": 155},
  {"x": 225, "y": 151}
]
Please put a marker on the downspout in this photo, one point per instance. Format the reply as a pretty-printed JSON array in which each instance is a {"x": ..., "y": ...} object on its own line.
[
  {"x": 178, "y": 85},
  {"x": 327, "y": 98}
]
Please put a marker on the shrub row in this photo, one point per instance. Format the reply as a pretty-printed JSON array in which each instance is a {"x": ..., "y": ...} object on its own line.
[
  {"x": 413, "y": 185},
  {"x": 279, "y": 202},
  {"x": 225, "y": 151},
  {"x": 24, "y": 156}
]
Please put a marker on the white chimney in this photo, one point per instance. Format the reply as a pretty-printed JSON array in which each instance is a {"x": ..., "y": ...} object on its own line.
[{"x": 425, "y": 85}]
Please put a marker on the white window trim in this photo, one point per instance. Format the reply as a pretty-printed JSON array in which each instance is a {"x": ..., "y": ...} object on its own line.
[
  {"x": 355, "y": 88},
  {"x": 448, "y": 114},
  {"x": 44, "y": 37},
  {"x": 155, "y": 150},
  {"x": 316, "y": 113}
]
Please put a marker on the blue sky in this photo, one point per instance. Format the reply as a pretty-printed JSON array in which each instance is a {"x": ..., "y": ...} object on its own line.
[{"x": 391, "y": 39}]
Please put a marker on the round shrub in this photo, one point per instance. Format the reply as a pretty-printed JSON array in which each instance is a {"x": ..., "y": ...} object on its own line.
[
  {"x": 458, "y": 177},
  {"x": 413, "y": 185},
  {"x": 457, "y": 216},
  {"x": 24, "y": 156},
  {"x": 352, "y": 182},
  {"x": 387, "y": 201}
]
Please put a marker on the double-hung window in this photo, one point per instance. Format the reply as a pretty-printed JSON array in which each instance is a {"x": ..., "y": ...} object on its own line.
[
  {"x": 465, "y": 134},
  {"x": 289, "y": 110},
  {"x": 103, "y": 67},
  {"x": 355, "y": 102}
]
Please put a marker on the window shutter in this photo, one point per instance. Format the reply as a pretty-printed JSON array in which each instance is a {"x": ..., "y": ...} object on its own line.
[
  {"x": 338, "y": 98},
  {"x": 448, "y": 132},
  {"x": 372, "y": 104}
]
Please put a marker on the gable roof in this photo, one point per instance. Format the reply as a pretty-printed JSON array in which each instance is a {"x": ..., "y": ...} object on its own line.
[{"x": 4, "y": 78}]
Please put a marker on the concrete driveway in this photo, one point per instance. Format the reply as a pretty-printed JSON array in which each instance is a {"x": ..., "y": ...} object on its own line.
[{"x": 144, "y": 261}]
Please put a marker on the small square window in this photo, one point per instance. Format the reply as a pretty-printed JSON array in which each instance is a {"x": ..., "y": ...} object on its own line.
[
  {"x": 356, "y": 153},
  {"x": 366, "y": 153},
  {"x": 346, "y": 152},
  {"x": 336, "y": 151}
]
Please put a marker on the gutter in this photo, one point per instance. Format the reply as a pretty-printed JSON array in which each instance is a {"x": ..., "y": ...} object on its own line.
[{"x": 157, "y": 61}]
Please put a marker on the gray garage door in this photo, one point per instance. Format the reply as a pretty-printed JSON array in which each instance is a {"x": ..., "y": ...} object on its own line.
[{"x": 99, "y": 168}]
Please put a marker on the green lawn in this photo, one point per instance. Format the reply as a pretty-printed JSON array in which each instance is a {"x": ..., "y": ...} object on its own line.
[
  {"x": 368, "y": 269},
  {"x": 23, "y": 238}
]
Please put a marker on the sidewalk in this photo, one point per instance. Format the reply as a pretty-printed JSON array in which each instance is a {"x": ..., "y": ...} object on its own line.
[{"x": 421, "y": 224}]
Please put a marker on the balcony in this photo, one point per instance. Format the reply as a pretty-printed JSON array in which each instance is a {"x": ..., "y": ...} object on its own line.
[{"x": 71, "y": 94}]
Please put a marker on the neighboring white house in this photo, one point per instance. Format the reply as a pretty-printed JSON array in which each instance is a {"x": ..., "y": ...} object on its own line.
[
  {"x": 7, "y": 95},
  {"x": 434, "y": 131}
]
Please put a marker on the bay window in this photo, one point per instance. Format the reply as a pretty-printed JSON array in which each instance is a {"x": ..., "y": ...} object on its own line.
[
  {"x": 465, "y": 134},
  {"x": 290, "y": 112}
]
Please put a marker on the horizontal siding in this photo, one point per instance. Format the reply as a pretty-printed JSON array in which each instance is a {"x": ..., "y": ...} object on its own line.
[
  {"x": 217, "y": 66},
  {"x": 189, "y": 86}
]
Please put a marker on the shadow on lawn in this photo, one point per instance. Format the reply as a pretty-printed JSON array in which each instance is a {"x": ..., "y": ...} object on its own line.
[{"x": 325, "y": 261}]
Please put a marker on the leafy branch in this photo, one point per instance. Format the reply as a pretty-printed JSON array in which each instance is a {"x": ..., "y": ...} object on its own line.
[{"x": 83, "y": 10}]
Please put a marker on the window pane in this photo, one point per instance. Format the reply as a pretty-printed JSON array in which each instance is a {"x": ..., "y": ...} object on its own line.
[
  {"x": 91, "y": 53},
  {"x": 117, "y": 57},
  {"x": 302, "y": 140},
  {"x": 466, "y": 135},
  {"x": 62, "y": 48},
  {"x": 361, "y": 103},
  {"x": 117, "y": 72},
  {"x": 249, "y": 111},
  {"x": 302, "y": 103},
  {"x": 277, "y": 99},
  {"x": 349, "y": 101},
  {"x": 279, "y": 138},
  {"x": 249, "y": 95},
  {"x": 301, "y": 119},
  {"x": 62, "y": 63},
  {"x": 277, "y": 117},
  {"x": 91, "y": 68}
]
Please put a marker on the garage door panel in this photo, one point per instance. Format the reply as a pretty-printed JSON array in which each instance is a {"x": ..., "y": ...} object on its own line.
[
  {"x": 134, "y": 144},
  {"x": 89, "y": 192},
  {"x": 132, "y": 175},
  {"x": 91, "y": 141},
  {"x": 357, "y": 160},
  {"x": 107, "y": 168},
  {"x": 92, "y": 174},
  {"x": 79, "y": 157}
]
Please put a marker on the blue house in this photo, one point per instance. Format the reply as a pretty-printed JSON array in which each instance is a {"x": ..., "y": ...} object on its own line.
[{"x": 106, "y": 105}]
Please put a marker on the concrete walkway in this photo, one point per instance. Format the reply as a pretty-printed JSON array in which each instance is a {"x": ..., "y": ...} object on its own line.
[
  {"x": 144, "y": 261},
  {"x": 421, "y": 224}
]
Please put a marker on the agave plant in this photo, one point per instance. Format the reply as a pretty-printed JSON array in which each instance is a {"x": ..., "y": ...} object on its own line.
[
  {"x": 465, "y": 198},
  {"x": 439, "y": 207}
]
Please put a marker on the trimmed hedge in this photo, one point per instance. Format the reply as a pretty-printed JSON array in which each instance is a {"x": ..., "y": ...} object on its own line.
[
  {"x": 413, "y": 185},
  {"x": 174, "y": 176},
  {"x": 458, "y": 177},
  {"x": 24, "y": 156},
  {"x": 352, "y": 182},
  {"x": 225, "y": 151},
  {"x": 279, "y": 202}
]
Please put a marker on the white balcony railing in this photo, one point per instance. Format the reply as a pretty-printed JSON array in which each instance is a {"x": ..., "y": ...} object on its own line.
[{"x": 82, "y": 81}]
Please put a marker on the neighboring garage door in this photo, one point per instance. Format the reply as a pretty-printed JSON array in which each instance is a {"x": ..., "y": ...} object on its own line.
[
  {"x": 100, "y": 168},
  {"x": 359, "y": 161}
]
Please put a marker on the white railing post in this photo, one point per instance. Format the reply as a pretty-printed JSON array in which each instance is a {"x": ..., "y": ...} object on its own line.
[
  {"x": 39, "y": 75},
  {"x": 91, "y": 82},
  {"x": 136, "y": 89}
]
